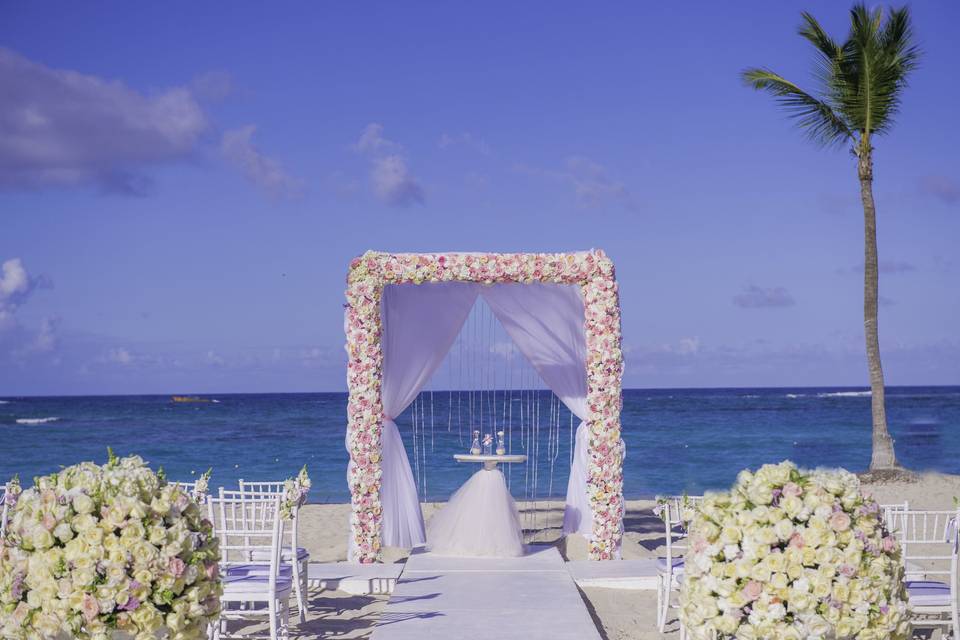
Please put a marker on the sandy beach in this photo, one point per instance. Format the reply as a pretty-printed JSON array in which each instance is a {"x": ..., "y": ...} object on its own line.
[{"x": 620, "y": 614}]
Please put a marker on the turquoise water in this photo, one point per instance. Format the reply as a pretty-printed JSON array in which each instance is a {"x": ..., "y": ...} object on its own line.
[{"x": 677, "y": 439}]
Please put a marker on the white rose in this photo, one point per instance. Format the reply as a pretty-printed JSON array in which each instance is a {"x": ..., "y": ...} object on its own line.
[{"x": 83, "y": 504}]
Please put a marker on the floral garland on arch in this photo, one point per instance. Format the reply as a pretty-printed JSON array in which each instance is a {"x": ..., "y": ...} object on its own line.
[
  {"x": 796, "y": 555},
  {"x": 593, "y": 271}
]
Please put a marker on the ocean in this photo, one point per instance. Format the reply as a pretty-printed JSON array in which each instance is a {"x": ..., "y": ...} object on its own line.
[{"x": 677, "y": 439}]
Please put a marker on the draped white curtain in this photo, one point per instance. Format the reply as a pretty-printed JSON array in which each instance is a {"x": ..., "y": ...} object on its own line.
[
  {"x": 546, "y": 321},
  {"x": 420, "y": 323}
]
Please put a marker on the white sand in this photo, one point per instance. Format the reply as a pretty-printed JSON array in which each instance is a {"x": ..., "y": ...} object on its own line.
[{"x": 620, "y": 614}]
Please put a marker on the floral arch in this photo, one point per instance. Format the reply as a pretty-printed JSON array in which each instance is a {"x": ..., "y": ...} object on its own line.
[{"x": 591, "y": 271}]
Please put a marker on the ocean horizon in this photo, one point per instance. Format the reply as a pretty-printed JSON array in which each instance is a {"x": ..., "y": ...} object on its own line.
[{"x": 691, "y": 439}]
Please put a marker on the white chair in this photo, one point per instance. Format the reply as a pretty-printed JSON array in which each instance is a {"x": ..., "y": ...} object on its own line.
[
  {"x": 300, "y": 560},
  {"x": 245, "y": 527},
  {"x": 892, "y": 518},
  {"x": 6, "y": 510},
  {"x": 929, "y": 540},
  {"x": 676, "y": 512}
]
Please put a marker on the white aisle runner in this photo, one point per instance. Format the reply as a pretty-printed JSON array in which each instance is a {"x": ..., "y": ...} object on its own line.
[{"x": 486, "y": 599}]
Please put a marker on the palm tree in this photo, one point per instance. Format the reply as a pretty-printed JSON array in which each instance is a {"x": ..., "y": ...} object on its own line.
[{"x": 861, "y": 81}]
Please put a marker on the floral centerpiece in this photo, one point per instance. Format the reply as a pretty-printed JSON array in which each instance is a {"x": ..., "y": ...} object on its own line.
[
  {"x": 686, "y": 506},
  {"x": 295, "y": 492},
  {"x": 109, "y": 551},
  {"x": 592, "y": 271},
  {"x": 792, "y": 554},
  {"x": 202, "y": 487}
]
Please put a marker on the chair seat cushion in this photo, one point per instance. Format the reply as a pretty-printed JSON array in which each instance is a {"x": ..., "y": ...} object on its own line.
[
  {"x": 253, "y": 584},
  {"x": 258, "y": 570},
  {"x": 928, "y": 593},
  {"x": 676, "y": 562},
  {"x": 263, "y": 554}
]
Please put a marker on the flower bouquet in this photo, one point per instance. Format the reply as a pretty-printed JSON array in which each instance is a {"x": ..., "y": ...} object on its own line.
[
  {"x": 202, "y": 486},
  {"x": 795, "y": 555},
  {"x": 295, "y": 491},
  {"x": 109, "y": 551}
]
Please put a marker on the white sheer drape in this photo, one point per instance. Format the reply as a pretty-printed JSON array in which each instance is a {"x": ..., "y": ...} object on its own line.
[
  {"x": 420, "y": 323},
  {"x": 546, "y": 323}
]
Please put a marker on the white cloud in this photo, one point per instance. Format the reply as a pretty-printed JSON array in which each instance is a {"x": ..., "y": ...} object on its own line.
[
  {"x": 64, "y": 128},
  {"x": 16, "y": 287},
  {"x": 465, "y": 139},
  {"x": 943, "y": 188},
  {"x": 592, "y": 183},
  {"x": 754, "y": 297},
  {"x": 390, "y": 176},
  {"x": 688, "y": 345},
  {"x": 238, "y": 148},
  {"x": 118, "y": 355},
  {"x": 886, "y": 267},
  {"x": 213, "y": 358},
  {"x": 393, "y": 183},
  {"x": 372, "y": 140}
]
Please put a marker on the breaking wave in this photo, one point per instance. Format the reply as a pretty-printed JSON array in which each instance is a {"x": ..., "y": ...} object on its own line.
[{"x": 36, "y": 420}]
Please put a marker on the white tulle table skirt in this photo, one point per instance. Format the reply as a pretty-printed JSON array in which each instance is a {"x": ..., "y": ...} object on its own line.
[{"x": 480, "y": 519}]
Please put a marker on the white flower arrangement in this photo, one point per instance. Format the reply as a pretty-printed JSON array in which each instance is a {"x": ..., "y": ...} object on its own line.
[
  {"x": 12, "y": 494},
  {"x": 795, "y": 555},
  {"x": 108, "y": 551},
  {"x": 202, "y": 486},
  {"x": 295, "y": 492},
  {"x": 686, "y": 505}
]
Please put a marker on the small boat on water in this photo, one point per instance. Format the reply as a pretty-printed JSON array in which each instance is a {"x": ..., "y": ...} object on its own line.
[{"x": 189, "y": 399}]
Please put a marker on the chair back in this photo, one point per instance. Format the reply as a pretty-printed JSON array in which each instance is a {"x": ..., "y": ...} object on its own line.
[
  {"x": 247, "y": 524},
  {"x": 677, "y": 513},
  {"x": 929, "y": 543},
  {"x": 262, "y": 486},
  {"x": 891, "y": 516},
  {"x": 6, "y": 510},
  {"x": 274, "y": 487}
]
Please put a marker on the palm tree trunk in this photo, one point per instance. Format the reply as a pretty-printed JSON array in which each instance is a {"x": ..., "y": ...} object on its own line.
[{"x": 882, "y": 456}]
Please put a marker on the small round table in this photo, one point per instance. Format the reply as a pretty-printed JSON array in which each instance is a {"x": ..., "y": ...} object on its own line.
[
  {"x": 480, "y": 518},
  {"x": 489, "y": 461}
]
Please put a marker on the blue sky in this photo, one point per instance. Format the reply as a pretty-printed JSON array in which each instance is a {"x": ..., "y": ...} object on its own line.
[{"x": 182, "y": 185}]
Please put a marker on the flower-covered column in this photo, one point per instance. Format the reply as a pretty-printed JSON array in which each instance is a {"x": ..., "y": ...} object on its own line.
[
  {"x": 604, "y": 399},
  {"x": 364, "y": 408}
]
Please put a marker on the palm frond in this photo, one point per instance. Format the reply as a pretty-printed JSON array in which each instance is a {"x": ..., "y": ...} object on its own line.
[
  {"x": 876, "y": 60},
  {"x": 816, "y": 118},
  {"x": 830, "y": 54},
  {"x": 812, "y": 31}
]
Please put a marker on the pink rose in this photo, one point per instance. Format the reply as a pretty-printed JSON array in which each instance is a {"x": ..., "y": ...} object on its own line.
[
  {"x": 90, "y": 607},
  {"x": 839, "y": 521},
  {"x": 796, "y": 541},
  {"x": 176, "y": 567},
  {"x": 792, "y": 489},
  {"x": 889, "y": 544},
  {"x": 752, "y": 590}
]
